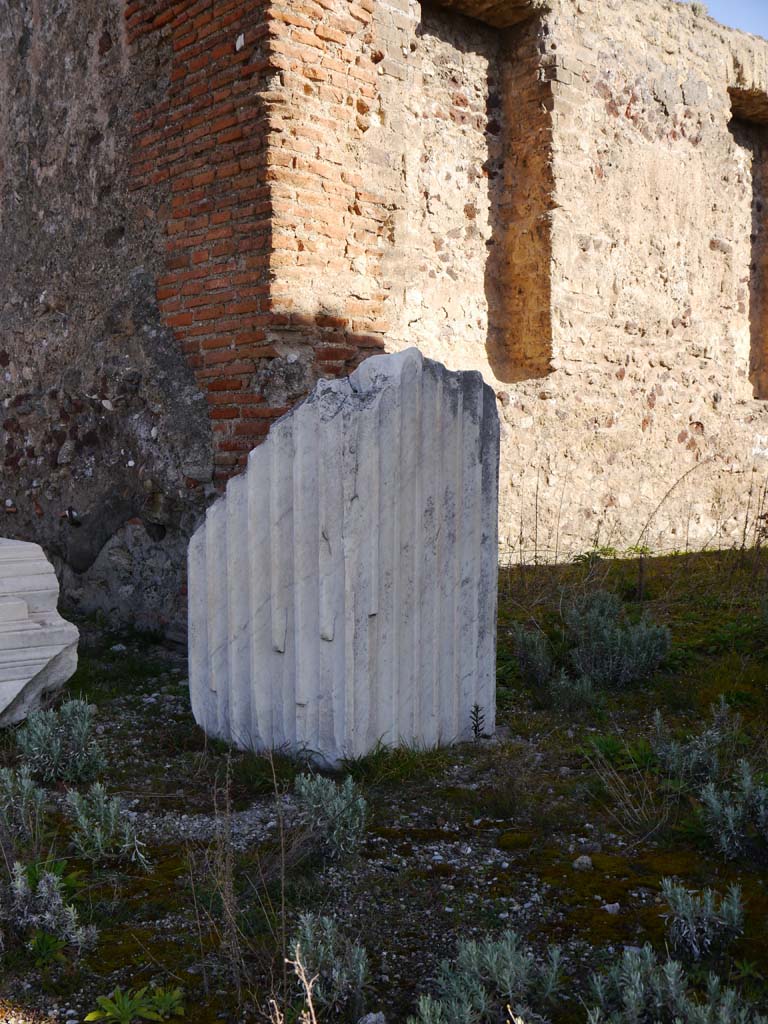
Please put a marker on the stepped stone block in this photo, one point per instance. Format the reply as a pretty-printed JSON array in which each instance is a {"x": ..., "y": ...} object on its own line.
[
  {"x": 38, "y": 648},
  {"x": 343, "y": 592}
]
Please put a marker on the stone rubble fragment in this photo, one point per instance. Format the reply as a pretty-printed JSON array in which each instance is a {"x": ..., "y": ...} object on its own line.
[
  {"x": 343, "y": 592},
  {"x": 38, "y": 648}
]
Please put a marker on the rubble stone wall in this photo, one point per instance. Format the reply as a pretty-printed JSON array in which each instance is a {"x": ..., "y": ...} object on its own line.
[
  {"x": 206, "y": 206},
  {"x": 575, "y": 212},
  {"x": 648, "y": 431}
]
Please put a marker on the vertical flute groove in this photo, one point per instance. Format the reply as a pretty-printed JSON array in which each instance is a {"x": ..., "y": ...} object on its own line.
[{"x": 343, "y": 590}]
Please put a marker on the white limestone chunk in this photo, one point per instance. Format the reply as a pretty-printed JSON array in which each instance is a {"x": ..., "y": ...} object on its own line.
[
  {"x": 38, "y": 648},
  {"x": 343, "y": 592}
]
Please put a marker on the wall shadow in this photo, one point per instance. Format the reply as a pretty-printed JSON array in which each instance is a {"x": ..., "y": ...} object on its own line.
[
  {"x": 749, "y": 128},
  {"x": 518, "y": 275}
]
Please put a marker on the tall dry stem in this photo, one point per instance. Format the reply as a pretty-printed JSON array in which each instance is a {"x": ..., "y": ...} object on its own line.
[
  {"x": 308, "y": 1014},
  {"x": 198, "y": 920},
  {"x": 224, "y": 873}
]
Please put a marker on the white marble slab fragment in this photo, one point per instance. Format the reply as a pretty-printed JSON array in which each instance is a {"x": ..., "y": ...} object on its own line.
[
  {"x": 38, "y": 648},
  {"x": 343, "y": 592}
]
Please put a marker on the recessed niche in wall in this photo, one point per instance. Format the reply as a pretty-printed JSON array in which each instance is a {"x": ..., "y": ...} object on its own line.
[
  {"x": 749, "y": 127},
  {"x": 519, "y": 273}
]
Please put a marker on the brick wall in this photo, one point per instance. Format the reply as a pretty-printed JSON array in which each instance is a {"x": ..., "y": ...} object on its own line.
[
  {"x": 205, "y": 146},
  {"x": 327, "y": 220},
  {"x": 264, "y": 221},
  {"x": 332, "y": 176},
  {"x": 223, "y": 200}
]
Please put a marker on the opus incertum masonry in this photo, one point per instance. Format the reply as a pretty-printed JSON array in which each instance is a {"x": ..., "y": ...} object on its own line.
[{"x": 38, "y": 648}]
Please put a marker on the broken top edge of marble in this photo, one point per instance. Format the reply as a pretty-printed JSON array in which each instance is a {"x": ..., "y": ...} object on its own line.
[
  {"x": 383, "y": 369},
  {"x": 375, "y": 375},
  {"x": 38, "y": 648},
  {"x": 342, "y": 592}
]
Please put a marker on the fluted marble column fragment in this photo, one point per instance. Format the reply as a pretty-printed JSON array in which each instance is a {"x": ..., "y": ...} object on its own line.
[
  {"x": 38, "y": 649},
  {"x": 343, "y": 591}
]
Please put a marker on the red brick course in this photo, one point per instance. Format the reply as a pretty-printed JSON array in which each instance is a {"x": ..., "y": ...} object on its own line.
[{"x": 245, "y": 159}]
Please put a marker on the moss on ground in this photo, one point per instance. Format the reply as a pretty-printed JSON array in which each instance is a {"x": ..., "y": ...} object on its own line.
[{"x": 461, "y": 840}]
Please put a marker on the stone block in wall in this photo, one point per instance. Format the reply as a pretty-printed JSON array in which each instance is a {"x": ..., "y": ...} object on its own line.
[
  {"x": 38, "y": 648},
  {"x": 343, "y": 591}
]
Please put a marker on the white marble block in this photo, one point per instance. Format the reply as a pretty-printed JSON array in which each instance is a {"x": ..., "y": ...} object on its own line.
[
  {"x": 343, "y": 592},
  {"x": 38, "y": 649}
]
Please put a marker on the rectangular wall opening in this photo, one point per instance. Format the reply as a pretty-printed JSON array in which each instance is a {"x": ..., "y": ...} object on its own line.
[
  {"x": 749, "y": 128},
  {"x": 470, "y": 260},
  {"x": 519, "y": 269}
]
